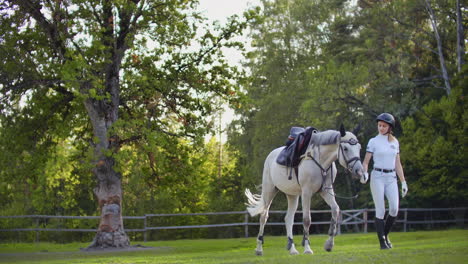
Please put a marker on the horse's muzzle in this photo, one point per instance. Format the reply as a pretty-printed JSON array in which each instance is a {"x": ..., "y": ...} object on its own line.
[{"x": 358, "y": 171}]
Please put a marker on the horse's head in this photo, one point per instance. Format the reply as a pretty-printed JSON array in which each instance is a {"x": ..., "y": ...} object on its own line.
[{"x": 349, "y": 154}]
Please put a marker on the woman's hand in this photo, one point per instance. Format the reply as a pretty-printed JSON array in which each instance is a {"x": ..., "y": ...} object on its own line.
[
  {"x": 365, "y": 177},
  {"x": 404, "y": 189}
]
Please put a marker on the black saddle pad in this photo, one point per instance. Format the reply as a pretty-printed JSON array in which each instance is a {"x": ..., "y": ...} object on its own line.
[{"x": 290, "y": 156}]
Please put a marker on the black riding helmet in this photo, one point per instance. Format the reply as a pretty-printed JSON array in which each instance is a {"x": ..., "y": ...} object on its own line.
[{"x": 387, "y": 118}]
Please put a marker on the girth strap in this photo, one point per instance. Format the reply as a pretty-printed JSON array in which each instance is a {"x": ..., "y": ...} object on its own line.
[{"x": 324, "y": 171}]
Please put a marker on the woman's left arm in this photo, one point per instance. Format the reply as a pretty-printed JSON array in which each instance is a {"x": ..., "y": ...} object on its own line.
[
  {"x": 401, "y": 175},
  {"x": 399, "y": 168}
]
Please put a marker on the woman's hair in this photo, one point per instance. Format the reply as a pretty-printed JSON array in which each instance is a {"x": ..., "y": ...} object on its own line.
[{"x": 391, "y": 137}]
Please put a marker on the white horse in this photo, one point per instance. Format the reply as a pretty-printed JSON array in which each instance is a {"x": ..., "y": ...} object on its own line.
[{"x": 317, "y": 171}]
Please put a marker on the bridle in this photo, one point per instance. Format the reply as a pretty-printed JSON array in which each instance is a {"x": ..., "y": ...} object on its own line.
[{"x": 353, "y": 160}]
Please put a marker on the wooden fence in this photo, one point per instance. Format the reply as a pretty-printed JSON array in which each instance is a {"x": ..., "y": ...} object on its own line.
[{"x": 359, "y": 217}]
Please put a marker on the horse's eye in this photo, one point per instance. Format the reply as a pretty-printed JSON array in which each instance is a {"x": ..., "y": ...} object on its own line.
[{"x": 345, "y": 149}]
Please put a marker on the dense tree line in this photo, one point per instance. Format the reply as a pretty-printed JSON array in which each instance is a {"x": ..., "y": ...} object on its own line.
[
  {"x": 108, "y": 102},
  {"x": 323, "y": 63}
]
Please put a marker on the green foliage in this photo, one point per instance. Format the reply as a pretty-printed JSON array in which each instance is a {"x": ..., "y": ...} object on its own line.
[
  {"x": 314, "y": 63},
  {"x": 65, "y": 65},
  {"x": 323, "y": 63},
  {"x": 434, "y": 150}
]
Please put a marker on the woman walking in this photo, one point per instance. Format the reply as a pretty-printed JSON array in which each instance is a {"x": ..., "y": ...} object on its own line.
[{"x": 385, "y": 151}]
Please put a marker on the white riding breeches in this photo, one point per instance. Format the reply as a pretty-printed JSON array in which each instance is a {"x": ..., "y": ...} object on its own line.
[{"x": 384, "y": 185}]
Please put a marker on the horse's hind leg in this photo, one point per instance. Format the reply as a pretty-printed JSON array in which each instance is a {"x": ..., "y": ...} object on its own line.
[
  {"x": 293, "y": 201},
  {"x": 329, "y": 196},
  {"x": 268, "y": 193}
]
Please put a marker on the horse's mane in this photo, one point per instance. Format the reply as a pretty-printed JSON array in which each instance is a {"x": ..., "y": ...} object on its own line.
[{"x": 327, "y": 137}]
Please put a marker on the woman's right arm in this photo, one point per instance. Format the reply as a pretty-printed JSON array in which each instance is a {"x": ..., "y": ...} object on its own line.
[{"x": 365, "y": 163}]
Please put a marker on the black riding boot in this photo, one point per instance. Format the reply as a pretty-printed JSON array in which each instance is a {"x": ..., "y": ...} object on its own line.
[
  {"x": 379, "y": 226},
  {"x": 388, "y": 226}
]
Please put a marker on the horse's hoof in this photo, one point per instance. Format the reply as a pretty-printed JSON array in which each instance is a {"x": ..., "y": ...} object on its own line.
[
  {"x": 292, "y": 249},
  {"x": 328, "y": 246},
  {"x": 308, "y": 252},
  {"x": 258, "y": 253}
]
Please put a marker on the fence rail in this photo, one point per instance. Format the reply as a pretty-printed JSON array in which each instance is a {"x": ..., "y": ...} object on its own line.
[{"x": 347, "y": 217}]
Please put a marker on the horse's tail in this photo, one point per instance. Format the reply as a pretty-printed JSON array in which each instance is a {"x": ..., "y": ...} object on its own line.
[{"x": 255, "y": 203}]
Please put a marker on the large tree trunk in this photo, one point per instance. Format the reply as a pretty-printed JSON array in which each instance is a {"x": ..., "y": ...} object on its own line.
[
  {"x": 111, "y": 231},
  {"x": 103, "y": 114},
  {"x": 108, "y": 192}
]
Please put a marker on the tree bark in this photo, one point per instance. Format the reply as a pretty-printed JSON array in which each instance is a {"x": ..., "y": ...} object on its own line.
[
  {"x": 460, "y": 38},
  {"x": 108, "y": 192},
  {"x": 443, "y": 68},
  {"x": 103, "y": 114}
]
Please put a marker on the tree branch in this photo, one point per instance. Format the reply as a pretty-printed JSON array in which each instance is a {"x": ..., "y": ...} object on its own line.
[
  {"x": 443, "y": 68},
  {"x": 460, "y": 38},
  {"x": 352, "y": 100},
  {"x": 51, "y": 30}
]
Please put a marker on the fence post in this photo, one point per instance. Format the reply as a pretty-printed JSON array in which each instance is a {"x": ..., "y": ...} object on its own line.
[
  {"x": 364, "y": 216},
  {"x": 340, "y": 218},
  {"x": 144, "y": 233},
  {"x": 405, "y": 220},
  {"x": 37, "y": 230},
  {"x": 246, "y": 227}
]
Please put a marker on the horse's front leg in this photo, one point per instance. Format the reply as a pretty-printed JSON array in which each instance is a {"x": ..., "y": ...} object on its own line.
[
  {"x": 293, "y": 202},
  {"x": 306, "y": 198},
  {"x": 329, "y": 196}
]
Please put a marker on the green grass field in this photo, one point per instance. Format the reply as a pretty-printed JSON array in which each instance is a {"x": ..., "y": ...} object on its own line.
[{"x": 450, "y": 246}]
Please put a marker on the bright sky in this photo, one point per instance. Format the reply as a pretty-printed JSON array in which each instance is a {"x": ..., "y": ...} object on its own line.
[{"x": 220, "y": 10}]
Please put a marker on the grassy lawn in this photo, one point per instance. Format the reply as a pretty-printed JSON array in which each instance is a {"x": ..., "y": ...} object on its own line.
[{"x": 450, "y": 246}]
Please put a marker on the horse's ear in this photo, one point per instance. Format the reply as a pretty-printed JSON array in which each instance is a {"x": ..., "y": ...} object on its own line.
[
  {"x": 357, "y": 129},
  {"x": 342, "y": 130}
]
